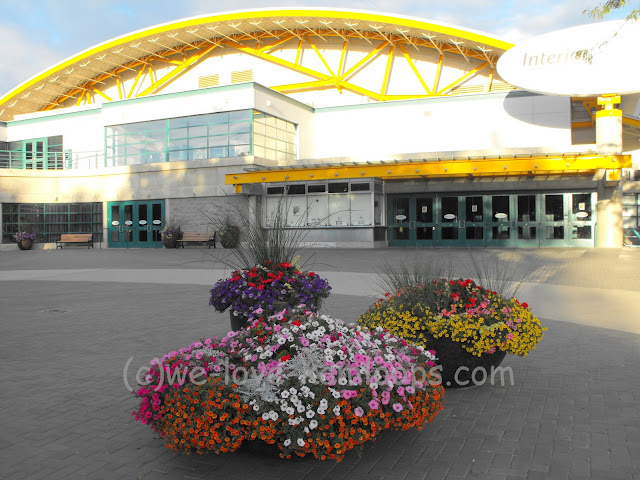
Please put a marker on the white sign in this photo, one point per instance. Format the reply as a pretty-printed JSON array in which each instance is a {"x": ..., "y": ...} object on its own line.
[
  {"x": 157, "y": 222},
  {"x": 142, "y": 222},
  {"x": 474, "y": 208},
  {"x": 401, "y": 217},
  {"x": 128, "y": 222},
  {"x": 449, "y": 216},
  {"x": 582, "y": 214},
  {"x": 582, "y": 206},
  {"x": 552, "y": 63},
  {"x": 501, "y": 215},
  {"x": 425, "y": 209},
  {"x": 115, "y": 223}
]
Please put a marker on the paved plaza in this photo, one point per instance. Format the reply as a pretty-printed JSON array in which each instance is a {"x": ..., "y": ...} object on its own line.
[{"x": 71, "y": 320}]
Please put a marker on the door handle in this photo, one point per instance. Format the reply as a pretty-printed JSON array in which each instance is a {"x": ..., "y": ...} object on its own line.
[{"x": 412, "y": 225}]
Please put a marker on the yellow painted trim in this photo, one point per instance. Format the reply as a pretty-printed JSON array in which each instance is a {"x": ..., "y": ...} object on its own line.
[
  {"x": 586, "y": 124},
  {"x": 436, "y": 168},
  {"x": 464, "y": 78},
  {"x": 277, "y": 43},
  {"x": 414, "y": 68},
  {"x": 387, "y": 71},
  {"x": 608, "y": 113},
  {"x": 237, "y": 188},
  {"x": 490, "y": 80},
  {"x": 634, "y": 122},
  {"x": 366, "y": 17}
]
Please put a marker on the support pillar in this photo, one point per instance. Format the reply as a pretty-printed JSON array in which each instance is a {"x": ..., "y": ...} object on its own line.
[
  {"x": 609, "y": 231},
  {"x": 609, "y": 126}
]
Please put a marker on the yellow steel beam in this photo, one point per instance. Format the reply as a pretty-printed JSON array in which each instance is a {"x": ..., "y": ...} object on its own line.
[
  {"x": 120, "y": 88},
  {"x": 315, "y": 49},
  {"x": 487, "y": 89},
  {"x": 387, "y": 71},
  {"x": 277, "y": 43},
  {"x": 445, "y": 168},
  {"x": 414, "y": 68},
  {"x": 367, "y": 58},
  {"x": 188, "y": 63},
  {"x": 95, "y": 90},
  {"x": 436, "y": 80},
  {"x": 463, "y": 78},
  {"x": 299, "y": 52},
  {"x": 343, "y": 57},
  {"x": 279, "y": 61},
  {"x": 135, "y": 82}
]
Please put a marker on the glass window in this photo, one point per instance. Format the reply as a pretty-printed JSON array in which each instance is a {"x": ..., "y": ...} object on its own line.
[
  {"x": 218, "y": 152},
  {"x": 239, "y": 115},
  {"x": 581, "y": 208},
  {"x": 178, "y": 122},
  {"x": 197, "y": 120},
  {"x": 179, "y": 133},
  {"x": 360, "y": 186},
  {"x": 49, "y": 221},
  {"x": 240, "y": 127},
  {"x": 317, "y": 209},
  {"x": 339, "y": 187},
  {"x": 361, "y": 209},
  {"x": 316, "y": 188},
  {"x": 219, "y": 129},
  {"x": 198, "y": 142},
  {"x": 156, "y": 125},
  {"x": 275, "y": 190},
  {"x": 554, "y": 209},
  {"x": 215, "y": 118},
  {"x": 295, "y": 190},
  {"x": 200, "y": 131},
  {"x": 338, "y": 210},
  {"x": 239, "y": 139}
]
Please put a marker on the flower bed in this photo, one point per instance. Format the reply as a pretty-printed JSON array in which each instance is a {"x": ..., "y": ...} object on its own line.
[
  {"x": 304, "y": 382},
  {"x": 263, "y": 285},
  {"x": 481, "y": 321}
]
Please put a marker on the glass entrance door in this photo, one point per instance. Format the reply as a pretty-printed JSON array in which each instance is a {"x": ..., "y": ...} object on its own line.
[
  {"x": 505, "y": 220},
  {"x": 135, "y": 224}
]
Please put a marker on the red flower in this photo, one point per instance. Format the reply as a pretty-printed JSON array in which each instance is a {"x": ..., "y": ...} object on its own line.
[
  {"x": 285, "y": 265},
  {"x": 296, "y": 323},
  {"x": 524, "y": 305},
  {"x": 311, "y": 274},
  {"x": 286, "y": 357}
]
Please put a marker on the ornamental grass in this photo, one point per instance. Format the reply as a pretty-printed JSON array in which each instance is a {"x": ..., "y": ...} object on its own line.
[
  {"x": 480, "y": 320},
  {"x": 306, "y": 383}
]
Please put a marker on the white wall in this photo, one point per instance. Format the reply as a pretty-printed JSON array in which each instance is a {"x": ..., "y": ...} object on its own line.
[
  {"x": 477, "y": 122},
  {"x": 82, "y": 128}
]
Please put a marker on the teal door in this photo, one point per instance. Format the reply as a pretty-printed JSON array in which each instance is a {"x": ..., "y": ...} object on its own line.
[
  {"x": 567, "y": 220},
  {"x": 411, "y": 220},
  {"x": 34, "y": 156},
  {"x": 135, "y": 224}
]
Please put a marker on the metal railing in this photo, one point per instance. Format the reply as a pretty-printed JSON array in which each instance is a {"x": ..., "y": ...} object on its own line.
[{"x": 68, "y": 160}]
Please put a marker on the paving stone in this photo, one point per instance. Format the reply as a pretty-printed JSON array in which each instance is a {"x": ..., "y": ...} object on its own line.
[{"x": 571, "y": 399}]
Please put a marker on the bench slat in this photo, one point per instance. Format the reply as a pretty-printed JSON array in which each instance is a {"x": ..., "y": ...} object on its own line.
[{"x": 208, "y": 237}]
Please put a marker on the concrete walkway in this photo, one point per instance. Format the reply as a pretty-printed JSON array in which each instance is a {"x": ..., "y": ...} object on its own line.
[{"x": 71, "y": 320}]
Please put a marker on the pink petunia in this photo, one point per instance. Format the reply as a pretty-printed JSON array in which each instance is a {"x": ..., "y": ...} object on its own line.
[
  {"x": 397, "y": 407},
  {"x": 359, "y": 412}
]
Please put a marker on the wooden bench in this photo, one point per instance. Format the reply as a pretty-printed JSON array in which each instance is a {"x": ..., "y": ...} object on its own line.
[
  {"x": 207, "y": 237},
  {"x": 75, "y": 238}
]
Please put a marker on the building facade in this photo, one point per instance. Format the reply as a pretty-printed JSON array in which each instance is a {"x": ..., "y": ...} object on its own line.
[{"x": 375, "y": 131}]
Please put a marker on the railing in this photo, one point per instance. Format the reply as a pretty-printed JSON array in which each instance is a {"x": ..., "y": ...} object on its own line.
[{"x": 28, "y": 160}]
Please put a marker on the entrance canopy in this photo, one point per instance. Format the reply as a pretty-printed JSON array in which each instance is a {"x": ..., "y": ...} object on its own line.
[{"x": 521, "y": 164}]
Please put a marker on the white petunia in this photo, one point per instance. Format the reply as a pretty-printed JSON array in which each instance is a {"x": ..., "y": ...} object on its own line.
[
  {"x": 336, "y": 410},
  {"x": 301, "y": 442},
  {"x": 313, "y": 424},
  {"x": 310, "y": 414},
  {"x": 287, "y": 442}
]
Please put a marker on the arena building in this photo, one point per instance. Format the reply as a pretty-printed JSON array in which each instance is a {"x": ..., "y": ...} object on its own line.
[{"x": 378, "y": 130}]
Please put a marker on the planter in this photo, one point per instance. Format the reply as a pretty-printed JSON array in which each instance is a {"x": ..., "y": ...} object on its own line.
[
  {"x": 25, "y": 244},
  {"x": 458, "y": 365},
  {"x": 169, "y": 242},
  {"x": 230, "y": 236}
]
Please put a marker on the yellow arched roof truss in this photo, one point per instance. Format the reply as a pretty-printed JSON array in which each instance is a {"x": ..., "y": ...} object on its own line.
[{"x": 177, "y": 47}]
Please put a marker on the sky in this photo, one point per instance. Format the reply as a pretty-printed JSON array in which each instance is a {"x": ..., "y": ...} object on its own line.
[{"x": 36, "y": 34}]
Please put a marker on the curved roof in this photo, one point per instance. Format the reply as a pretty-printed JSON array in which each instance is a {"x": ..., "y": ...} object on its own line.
[{"x": 86, "y": 71}]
